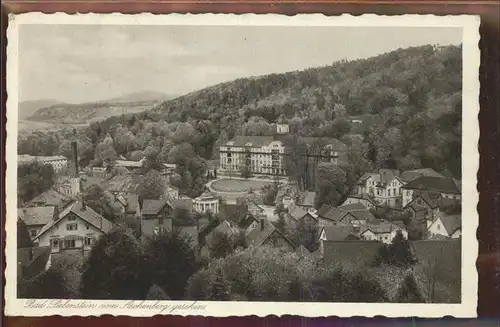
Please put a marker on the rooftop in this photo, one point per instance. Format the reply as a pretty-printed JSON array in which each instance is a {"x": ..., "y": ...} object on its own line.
[
  {"x": 50, "y": 198},
  {"x": 37, "y": 215},
  {"x": 338, "y": 233},
  {"x": 451, "y": 223},
  {"x": 25, "y": 158},
  {"x": 350, "y": 255},
  {"x": 410, "y": 175},
  {"x": 306, "y": 199},
  {"x": 434, "y": 184},
  {"x": 153, "y": 206},
  {"x": 87, "y": 214}
]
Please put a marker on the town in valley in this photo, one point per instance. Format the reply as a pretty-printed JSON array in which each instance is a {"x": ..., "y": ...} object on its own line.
[{"x": 339, "y": 183}]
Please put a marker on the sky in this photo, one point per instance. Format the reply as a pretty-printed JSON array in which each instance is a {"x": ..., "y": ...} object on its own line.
[{"x": 85, "y": 63}]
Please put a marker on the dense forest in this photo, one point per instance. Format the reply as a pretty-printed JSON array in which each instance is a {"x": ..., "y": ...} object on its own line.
[{"x": 409, "y": 102}]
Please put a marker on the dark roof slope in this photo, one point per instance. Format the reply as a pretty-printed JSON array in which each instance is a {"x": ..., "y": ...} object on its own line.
[
  {"x": 50, "y": 198},
  {"x": 246, "y": 221},
  {"x": 153, "y": 207},
  {"x": 350, "y": 255},
  {"x": 451, "y": 223},
  {"x": 338, "y": 233},
  {"x": 37, "y": 215},
  {"x": 410, "y": 175},
  {"x": 331, "y": 213},
  {"x": 434, "y": 184}
]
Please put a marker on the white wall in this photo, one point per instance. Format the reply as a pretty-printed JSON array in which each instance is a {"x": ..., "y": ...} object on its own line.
[
  {"x": 437, "y": 228},
  {"x": 59, "y": 231}
]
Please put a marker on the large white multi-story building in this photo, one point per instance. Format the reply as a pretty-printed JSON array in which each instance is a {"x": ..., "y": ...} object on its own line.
[
  {"x": 265, "y": 154},
  {"x": 261, "y": 154},
  {"x": 59, "y": 163}
]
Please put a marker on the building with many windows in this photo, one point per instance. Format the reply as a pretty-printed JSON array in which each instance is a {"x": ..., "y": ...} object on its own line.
[
  {"x": 59, "y": 163},
  {"x": 265, "y": 154}
]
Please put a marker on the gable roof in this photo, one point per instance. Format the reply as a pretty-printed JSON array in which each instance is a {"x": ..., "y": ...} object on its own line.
[
  {"x": 153, "y": 206},
  {"x": 258, "y": 236},
  {"x": 361, "y": 197},
  {"x": 296, "y": 212},
  {"x": 37, "y": 215},
  {"x": 387, "y": 175},
  {"x": 331, "y": 213},
  {"x": 246, "y": 221},
  {"x": 451, "y": 223},
  {"x": 306, "y": 199},
  {"x": 353, "y": 207},
  {"x": 87, "y": 214},
  {"x": 338, "y": 233},
  {"x": 434, "y": 184},
  {"x": 363, "y": 215},
  {"x": 51, "y": 198},
  {"x": 410, "y": 175},
  {"x": 382, "y": 227},
  {"x": 365, "y": 176}
]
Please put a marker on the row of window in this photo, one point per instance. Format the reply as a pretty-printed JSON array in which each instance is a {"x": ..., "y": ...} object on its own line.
[{"x": 70, "y": 244}]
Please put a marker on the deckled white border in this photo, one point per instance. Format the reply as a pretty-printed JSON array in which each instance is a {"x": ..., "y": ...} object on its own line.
[{"x": 470, "y": 138}]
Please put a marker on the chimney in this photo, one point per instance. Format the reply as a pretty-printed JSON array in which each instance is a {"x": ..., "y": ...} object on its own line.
[
  {"x": 84, "y": 206},
  {"x": 75, "y": 157},
  {"x": 261, "y": 224},
  {"x": 141, "y": 202}
]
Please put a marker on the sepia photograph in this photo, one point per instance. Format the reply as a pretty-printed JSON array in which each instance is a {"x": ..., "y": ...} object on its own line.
[{"x": 242, "y": 163}]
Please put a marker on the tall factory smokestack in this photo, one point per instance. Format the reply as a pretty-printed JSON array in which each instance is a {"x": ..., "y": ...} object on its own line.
[{"x": 75, "y": 158}]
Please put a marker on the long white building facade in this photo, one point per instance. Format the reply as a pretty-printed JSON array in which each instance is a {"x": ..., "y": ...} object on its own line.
[
  {"x": 265, "y": 154},
  {"x": 59, "y": 163}
]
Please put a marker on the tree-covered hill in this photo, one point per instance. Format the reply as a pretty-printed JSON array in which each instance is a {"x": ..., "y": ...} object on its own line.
[
  {"x": 401, "y": 109},
  {"x": 412, "y": 96}
]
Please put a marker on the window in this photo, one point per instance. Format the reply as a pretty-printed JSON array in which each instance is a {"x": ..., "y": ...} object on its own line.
[
  {"x": 71, "y": 218},
  {"x": 89, "y": 241},
  {"x": 33, "y": 232},
  {"x": 388, "y": 192},
  {"x": 71, "y": 226},
  {"x": 87, "y": 226},
  {"x": 54, "y": 243},
  {"x": 69, "y": 244}
]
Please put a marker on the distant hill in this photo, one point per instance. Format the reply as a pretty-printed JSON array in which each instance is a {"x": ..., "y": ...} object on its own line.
[
  {"x": 28, "y": 108},
  {"x": 142, "y": 96},
  {"x": 82, "y": 113}
]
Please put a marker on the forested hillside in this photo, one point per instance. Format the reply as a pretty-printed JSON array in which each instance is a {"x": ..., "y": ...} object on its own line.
[
  {"x": 87, "y": 112},
  {"x": 409, "y": 102}
]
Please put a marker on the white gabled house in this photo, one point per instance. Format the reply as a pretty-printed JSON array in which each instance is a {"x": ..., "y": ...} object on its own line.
[
  {"x": 384, "y": 187},
  {"x": 382, "y": 232},
  {"x": 449, "y": 226},
  {"x": 76, "y": 227}
]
